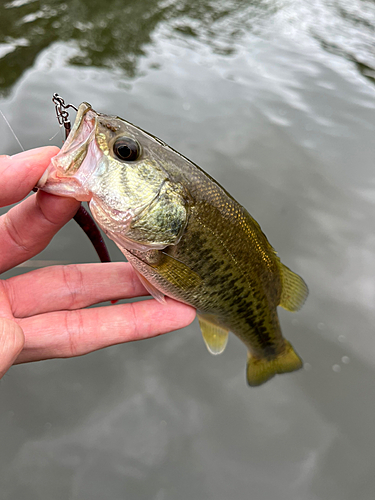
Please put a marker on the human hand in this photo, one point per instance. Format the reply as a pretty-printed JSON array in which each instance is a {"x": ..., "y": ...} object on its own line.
[{"x": 42, "y": 313}]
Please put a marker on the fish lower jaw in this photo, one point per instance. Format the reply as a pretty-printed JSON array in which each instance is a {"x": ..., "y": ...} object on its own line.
[{"x": 69, "y": 189}]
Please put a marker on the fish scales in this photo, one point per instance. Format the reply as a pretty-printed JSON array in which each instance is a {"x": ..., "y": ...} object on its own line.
[
  {"x": 185, "y": 235},
  {"x": 238, "y": 298}
]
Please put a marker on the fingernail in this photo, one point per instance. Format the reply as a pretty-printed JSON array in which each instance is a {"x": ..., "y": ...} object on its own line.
[{"x": 41, "y": 182}]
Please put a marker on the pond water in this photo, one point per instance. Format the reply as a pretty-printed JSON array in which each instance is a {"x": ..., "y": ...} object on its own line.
[{"x": 276, "y": 100}]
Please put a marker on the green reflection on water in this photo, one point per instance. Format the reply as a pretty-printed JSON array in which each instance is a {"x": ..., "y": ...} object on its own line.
[
  {"x": 109, "y": 35},
  {"x": 116, "y": 34}
]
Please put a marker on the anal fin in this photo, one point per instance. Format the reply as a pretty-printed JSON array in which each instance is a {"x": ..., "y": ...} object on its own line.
[
  {"x": 259, "y": 370},
  {"x": 214, "y": 335}
]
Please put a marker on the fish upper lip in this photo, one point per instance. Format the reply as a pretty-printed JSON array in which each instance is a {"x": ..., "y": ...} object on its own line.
[
  {"x": 74, "y": 150},
  {"x": 77, "y": 143},
  {"x": 83, "y": 109}
]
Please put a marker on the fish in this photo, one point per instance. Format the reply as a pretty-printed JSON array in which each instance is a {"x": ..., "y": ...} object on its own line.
[{"x": 184, "y": 234}]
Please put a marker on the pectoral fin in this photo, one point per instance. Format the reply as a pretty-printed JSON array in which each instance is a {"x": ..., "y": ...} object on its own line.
[
  {"x": 215, "y": 336},
  {"x": 176, "y": 272},
  {"x": 262, "y": 369},
  {"x": 294, "y": 290},
  {"x": 172, "y": 270}
]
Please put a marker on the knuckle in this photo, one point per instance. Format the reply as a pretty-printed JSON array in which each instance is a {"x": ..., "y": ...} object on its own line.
[
  {"x": 14, "y": 234},
  {"x": 74, "y": 284},
  {"x": 135, "y": 331},
  {"x": 75, "y": 331}
]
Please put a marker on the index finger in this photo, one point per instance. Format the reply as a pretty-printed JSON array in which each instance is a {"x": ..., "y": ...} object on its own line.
[{"x": 20, "y": 173}]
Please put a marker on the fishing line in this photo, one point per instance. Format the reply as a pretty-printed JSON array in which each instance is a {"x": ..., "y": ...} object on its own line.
[
  {"x": 51, "y": 139},
  {"x": 13, "y": 132}
]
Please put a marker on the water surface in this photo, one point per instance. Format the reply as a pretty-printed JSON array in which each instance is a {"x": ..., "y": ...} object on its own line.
[{"x": 276, "y": 100}]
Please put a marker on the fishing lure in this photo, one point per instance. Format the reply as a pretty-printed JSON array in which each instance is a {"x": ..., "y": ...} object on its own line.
[{"x": 82, "y": 217}]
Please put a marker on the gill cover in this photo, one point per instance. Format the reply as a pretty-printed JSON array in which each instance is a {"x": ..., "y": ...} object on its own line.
[{"x": 112, "y": 164}]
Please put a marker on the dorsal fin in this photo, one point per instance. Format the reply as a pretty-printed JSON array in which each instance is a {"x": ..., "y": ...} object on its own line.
[
  {"x": 294, "y": 290},
  {"x": 214, "y": 335}
]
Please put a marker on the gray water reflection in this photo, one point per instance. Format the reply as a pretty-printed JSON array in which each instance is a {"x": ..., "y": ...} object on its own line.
[{"x": 288, "y": 128}]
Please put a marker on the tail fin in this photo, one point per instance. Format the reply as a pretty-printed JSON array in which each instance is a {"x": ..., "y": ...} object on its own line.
[{"x": 260, "y": 370}]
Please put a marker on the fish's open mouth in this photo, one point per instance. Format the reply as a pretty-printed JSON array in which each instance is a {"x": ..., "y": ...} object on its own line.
[
  {"x": 68, "y": 172},
  {"x": 75, "y": 147}
]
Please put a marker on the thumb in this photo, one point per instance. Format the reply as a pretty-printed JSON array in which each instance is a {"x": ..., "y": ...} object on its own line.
[{"x": 12, "y": 340}]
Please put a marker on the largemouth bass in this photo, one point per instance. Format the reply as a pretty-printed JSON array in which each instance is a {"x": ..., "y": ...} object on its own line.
[{"x": 186, "y": 237}]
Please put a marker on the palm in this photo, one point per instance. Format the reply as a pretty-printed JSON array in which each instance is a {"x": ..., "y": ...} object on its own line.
[{"x": 49, "y": 304}]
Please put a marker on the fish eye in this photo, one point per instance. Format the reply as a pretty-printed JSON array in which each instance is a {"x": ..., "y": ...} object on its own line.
[{"x": 126, "y": 149}]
